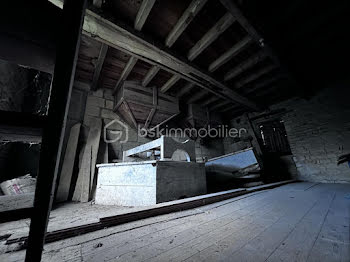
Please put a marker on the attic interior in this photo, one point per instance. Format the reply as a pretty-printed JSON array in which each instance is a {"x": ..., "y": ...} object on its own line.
[{"x": 164, "y": 130}]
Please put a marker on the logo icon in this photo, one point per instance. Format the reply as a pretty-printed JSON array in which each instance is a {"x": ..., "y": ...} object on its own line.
[{"x": 114, "y": 131}]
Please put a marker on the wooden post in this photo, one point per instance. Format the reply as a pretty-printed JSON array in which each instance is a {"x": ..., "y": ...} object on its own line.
[{"x": 67, "y": 53}]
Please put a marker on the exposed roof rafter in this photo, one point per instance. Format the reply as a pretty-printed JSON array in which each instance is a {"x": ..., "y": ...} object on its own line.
[
  {"x": 186, "y": 18},
  {"x": 229, "y": 54},
  {"x": 169, "y": 83},
  {"x": 127, "y": 70},
  {"x": 150, "y": 75},
  {"x": 211, "y": 36},
  {"x": 143, "y": 13},
  {"x": 98, "y": 65}
]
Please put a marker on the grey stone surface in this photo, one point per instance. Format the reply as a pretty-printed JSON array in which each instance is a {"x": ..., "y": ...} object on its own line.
[
  {"x": 95, "y": 101},
  {"x": 149, "y": 182},
  {"x": 109, "y": 104}
]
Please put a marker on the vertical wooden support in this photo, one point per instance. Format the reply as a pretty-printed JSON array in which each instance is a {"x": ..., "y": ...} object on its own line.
[{"x": 66, "y": 59}]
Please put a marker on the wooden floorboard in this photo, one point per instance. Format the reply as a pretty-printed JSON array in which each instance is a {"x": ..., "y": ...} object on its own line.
[{"x": 294, "y": 222}]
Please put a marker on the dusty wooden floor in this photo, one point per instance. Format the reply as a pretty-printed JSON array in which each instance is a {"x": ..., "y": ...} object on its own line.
[{"x": 295, "y": 222}]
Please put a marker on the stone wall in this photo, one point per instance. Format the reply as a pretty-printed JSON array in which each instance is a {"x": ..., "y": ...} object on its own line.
[
  {"x": 100, "y": 105},
  {"x": 318, "y": 131}
]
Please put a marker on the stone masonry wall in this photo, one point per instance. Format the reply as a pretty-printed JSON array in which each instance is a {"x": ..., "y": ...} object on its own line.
[
  {"x": 100, "y": 105},
  {"x": 318, "y": 131}
]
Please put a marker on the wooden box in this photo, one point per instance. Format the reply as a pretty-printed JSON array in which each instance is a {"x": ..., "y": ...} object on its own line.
[{"x": 144, "y": 106}]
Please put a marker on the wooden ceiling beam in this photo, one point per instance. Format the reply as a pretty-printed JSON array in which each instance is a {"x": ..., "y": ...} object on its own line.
[
  {"x": 150, "y": 75},
  {"x": 98, "y": 65},
  {"x": 186, "y": 18},
  {"x": 226, "y": 108},
  {"x": 211, "y": 36},
  {"x": 169, "y": 83},
  {"x": 210, "y": 100},
  {"x": 98, "y": 27},
  {"x": 266, "y": 83},
  {"x": 197, "y": 96},
  {"x": 126, "y": 71},
  {"x": 250, "y": 62},
  {"x": 218, "y": 105},
  {"x": 185, "y": 89},
  {"x": 243, "y": 21},
  {"x": 143, "y": 13},
  {"x": 255, "y": 75},
  {"x": 229, "y": 54}
]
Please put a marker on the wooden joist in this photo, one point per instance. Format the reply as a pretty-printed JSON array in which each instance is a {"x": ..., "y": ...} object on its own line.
[
  {"x": 218, "y": 105},
  {"x": 266, "y": 83},
  {"x": 197, "y": 96},
  {"x": 229, "y": 54},
  {"x": 98, "y": 65},
  {"x": 211, "y": 36},
  {"x": 116, "y": 35},
  {"x": 210, "y": 100},
  {"x": 185, "y": 89},
  {"x": 186, "y": 18},
  {"x": 243, "y": 21},
  {"x": 143, "y": 13},
  {"x": 170, "y": 83},
  {"x": 153, "y": 110},
  {"x": 227, "y": 108},
  {"x": 127, "y": 70},
  {"x": 250, "y": 62},
  {"x": 150, "y": 75},
  {"x": 254, "y": 76}
]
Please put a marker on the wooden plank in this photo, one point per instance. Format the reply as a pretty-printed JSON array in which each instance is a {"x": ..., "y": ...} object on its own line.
[
  {"x": 227, "y": 208},
  {"x": 98, "y": 66},
  {"x": 146, "y": 247},
  {"x": 126, "y": 71},
  {"x": 297, "y": 245},
  {"x": 186, "y": 18},
  {"x": 143, "y": 13},
  {"x": 227, "y": 108},
  {"x": 210, "y": 100},
  {"x": 250, "y": 62},
  {"x": 66, "y": 59},
  {"x": 68, "y": 164},
  {"x": 218, "y": 105},
  {"x": 87, "y": 168},
  {"x": 150, "y": 75},
  {"x": 169, "y": 83},
  {"x": 243, "y": 21},
  {"x": 229, "y": 245},
  {"x": 254, "y": 76},
  {"x": 211, "y": 36},
  {"x": 131, "y": 115},
  {"x": 229, "y": 54},
  {"x": 185, "y": 89},
  {"x": 266, "y": 83},
  {"x": 115, "y": 35},
  {"x": 200, "y": 94},
  {"x": 153, "y": 110}
]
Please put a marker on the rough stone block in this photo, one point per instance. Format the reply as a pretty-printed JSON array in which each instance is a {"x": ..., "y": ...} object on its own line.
[{"x": 95, "y": 101}]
